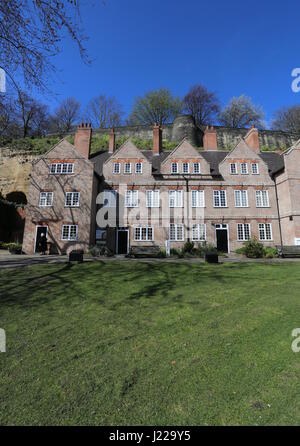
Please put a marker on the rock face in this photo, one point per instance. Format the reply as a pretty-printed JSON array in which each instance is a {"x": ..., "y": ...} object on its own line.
[
  {"x": 15, "y": 168},
  {"x": 184, "y": 127}
]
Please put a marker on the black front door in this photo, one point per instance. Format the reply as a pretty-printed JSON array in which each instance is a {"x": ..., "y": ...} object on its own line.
[
  {"x": 122, "y": 242},
  {"x": 222, "y": 240},
  {"x": 39, "y": 231}
]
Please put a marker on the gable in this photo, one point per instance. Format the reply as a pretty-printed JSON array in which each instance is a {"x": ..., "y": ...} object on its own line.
[
  {"x": 242, "y": 151},
  {"x": 126, "y": 151},
  {"x": 182, "y": 151}
]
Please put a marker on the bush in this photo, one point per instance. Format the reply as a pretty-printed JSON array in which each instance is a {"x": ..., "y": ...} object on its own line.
[
  {"x": 270, "y": 252},
  {"x": 15, "y": 248},
  {"x": 162, "y": 254},
  {"x": 94, "y": 251},
  {"x": 188, "y": 247},
  {"x": 254, "y": 249},
  {"x": 210, "y": 248}
]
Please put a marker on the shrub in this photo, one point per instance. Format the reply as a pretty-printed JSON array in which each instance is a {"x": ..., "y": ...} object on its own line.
[
  {"x": 210, "y": 248},
  {"x": 94, "y": 251},
  {"x": 15, "y": 248},
  {"x": 270, "y": 252},
  {"x": 254, "y": 249},
  {"x": 174, "y": 252},
  {"x": 188, "y": 247},
  {"x": 162, "y": 254}
]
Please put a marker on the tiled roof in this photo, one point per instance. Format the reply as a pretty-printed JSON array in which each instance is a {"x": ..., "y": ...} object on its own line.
[{"x": 213, "y": 157}]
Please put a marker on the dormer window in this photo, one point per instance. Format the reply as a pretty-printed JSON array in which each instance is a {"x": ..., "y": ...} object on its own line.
[
  {"x": 254, "y": 169},
  {"x": 138, "y": 168},
  {"x": 233, "y": 169},
  {"x": 116, "y": 168},
  {"x": 127, "y": 168},
  {"x": 244, "y": 168},
  {"x": 185, "y": 168},
  {"x": 174, "y": 168},
  {"x": 196, "y": 168}
]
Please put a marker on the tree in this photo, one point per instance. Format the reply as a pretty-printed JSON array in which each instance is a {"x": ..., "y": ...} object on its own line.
[
  {"x": 241, "y": 112},
  {"x": 6, "y": 111},
  {"x": 287, "y": 119},
  {"x": 28, "y": 112},
  {"x": 202, "y": 104},
  {"x": 65, "y": 116},
  {"x": 31, "y": 32},
  {"x": 104, "y": 112},
  {"x": 158, "y": 106}
]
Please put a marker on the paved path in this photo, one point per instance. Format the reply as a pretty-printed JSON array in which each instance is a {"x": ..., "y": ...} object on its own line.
[{"x": 8, "y": 260}]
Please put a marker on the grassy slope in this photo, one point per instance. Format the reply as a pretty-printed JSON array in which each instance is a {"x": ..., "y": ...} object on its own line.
[{"x": 137, "y": 343}]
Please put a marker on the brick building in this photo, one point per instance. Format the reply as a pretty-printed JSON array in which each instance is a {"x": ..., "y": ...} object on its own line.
[{"x": 150, "y": 196}]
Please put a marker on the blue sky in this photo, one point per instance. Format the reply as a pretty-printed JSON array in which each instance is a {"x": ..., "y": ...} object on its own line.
[{"x": 232, "y": 47}]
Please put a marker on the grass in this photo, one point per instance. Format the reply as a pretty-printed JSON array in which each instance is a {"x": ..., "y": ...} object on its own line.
[{"x": 128, "y": 343}]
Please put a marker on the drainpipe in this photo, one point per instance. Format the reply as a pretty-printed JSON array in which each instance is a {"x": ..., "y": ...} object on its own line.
[
  {"x": 278, "y": 213},
  {"x": 188, "y": 207}
]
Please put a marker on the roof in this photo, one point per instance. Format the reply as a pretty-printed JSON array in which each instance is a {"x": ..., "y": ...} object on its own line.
[{"x": 274, "y": 160}]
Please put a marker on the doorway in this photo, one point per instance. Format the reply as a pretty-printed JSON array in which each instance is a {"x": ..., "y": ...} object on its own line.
[
  {"x": 39, "y": 231},
  {"x": 222, "y": 238},
  {"x": 122, "y": 241}
]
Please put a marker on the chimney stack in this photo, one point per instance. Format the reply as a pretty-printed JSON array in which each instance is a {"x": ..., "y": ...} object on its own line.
[
  {"x": 252, "y": 139},
  {"x": 210, "y": 139},
  {"x": 83, "y": 138},
  {"x": 157, "y": 139},
  {"x": 112, "y": 138}
]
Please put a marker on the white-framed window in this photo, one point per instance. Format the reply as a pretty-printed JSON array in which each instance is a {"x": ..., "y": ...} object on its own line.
[
  {"x": 62, "y": 168},
  {"x": 199, "y": 232},
  {"x": 46, "y": 199},
  {"x": 175, "y": 198},
  {"x": 176, "y": 232},
  {"x": 138, "y": 168},
  {"x": 132, "y": 199},
  {"x": 72, "y": 199},
  {"x": 233, "y": 169},
  {"x": 254, "y": 169},
  {"x": 198, "y": 200},
  {"x": 265, "y": 231},
  {"x": 116, "y": 168},
  {"x": 174, "y": 168},
  {"x": 127, "y": 168},
  {"x": 109, "y": 198},
  {"x": 244, "y": 168},
  {"x": 220, "y": 199},
  {"x": 262, "y": 198},
  {"x": 241, "y": 198},
  {"x": 152, "y": 198},
  {"x": 143, "y": 233},
  {"x": 69, "y": 232},
  {"x": 185, "y": 168},
  {"x": 196, "y": 168},
  {"x": 243, "y": 231}
]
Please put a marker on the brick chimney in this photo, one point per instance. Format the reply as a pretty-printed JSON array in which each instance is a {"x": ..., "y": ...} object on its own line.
[
  {"x": 252, "y": 140},
  {"x": 83, "y": 138},
  {"x": 112, "y": 138},
  {"x": 157, "y": 139},
  {"x": 210, "y": 139}
]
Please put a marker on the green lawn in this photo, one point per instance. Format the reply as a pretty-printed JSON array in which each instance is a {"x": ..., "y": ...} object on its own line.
[{"x": 114, "y": 343}]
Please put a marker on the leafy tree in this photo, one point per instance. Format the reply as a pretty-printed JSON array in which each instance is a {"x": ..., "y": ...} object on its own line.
[
  {"x": 287, "y": 119},
  {"x": 157, "y": 106},
  {"x": 202, "y": 104},
  {"x": 241, "y": 112},
  {"x": 104, "y": 112},
  {"x": 65, "y": 116},
  {"x": 31, "y": 32}
]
